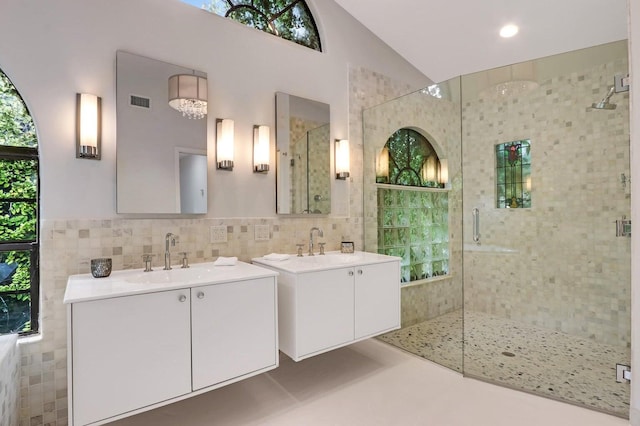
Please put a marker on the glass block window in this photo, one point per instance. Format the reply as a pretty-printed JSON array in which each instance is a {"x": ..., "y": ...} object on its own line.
[
  {"x": 513, "y": 174},
  {"x": 288, "y": 19},
  {"x": 409, "y": 159},
  {"x": 413, "y": 224}
]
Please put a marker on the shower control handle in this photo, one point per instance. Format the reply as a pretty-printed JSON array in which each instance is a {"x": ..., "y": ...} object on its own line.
[{"x": 476, "y": 224}]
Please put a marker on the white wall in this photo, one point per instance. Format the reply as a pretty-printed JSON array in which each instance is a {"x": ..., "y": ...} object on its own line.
[{"x": 51, "y": 50}]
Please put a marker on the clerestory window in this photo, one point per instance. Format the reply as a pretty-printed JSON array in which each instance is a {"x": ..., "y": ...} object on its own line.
[
  {"x": 19, "y": 283},
  {"x": 289, "y": 19}
]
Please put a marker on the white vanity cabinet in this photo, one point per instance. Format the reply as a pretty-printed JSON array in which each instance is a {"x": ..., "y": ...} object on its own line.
[
  {"x": 325, "y": 302},
  {"x": 233, "y": 330},
  {"x": 123, "y": 355},
  {"x": 321, "y": 305},
  {"x": 377, "y": 298},
  {"x": 130, "y": 352}
]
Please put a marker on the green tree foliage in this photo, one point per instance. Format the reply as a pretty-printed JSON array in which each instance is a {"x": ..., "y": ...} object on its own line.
[
  {"x": 408, "y": 151},
  {"x": 16, "y": 125},
  {"x": 289, "y": 19}
]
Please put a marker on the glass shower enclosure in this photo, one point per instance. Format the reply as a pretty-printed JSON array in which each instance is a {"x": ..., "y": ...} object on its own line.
[{"x": 536, "y": 296}]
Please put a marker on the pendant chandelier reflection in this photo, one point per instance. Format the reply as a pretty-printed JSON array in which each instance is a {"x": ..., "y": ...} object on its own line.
[{"x": 188, "y": 94}]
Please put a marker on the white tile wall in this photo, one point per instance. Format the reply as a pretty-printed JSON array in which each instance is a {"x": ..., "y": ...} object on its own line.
[
  {"x": 9, "y": 380},
  {"x": 572, "y": 273}
]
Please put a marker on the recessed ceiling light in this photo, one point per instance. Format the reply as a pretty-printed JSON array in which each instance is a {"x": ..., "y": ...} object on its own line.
[{"x": 508, "y": 30}]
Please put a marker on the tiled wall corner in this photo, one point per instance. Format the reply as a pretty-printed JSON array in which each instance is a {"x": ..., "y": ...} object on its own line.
[
  {"x": 367, "y": 89},
  {"x": 439, "y": 118},
  {"x": 9, "y": 381}
]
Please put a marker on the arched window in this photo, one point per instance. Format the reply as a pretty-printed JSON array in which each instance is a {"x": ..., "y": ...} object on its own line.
[
  {"x": 413, "y": 210},
  {"x": 409, "y": 159},
  {"x": 19, "y": 289},
  {"x": 289, "y": 19}
]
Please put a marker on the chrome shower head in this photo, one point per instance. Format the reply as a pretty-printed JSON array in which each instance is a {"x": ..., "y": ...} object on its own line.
[{"x": 604, "y": 103}]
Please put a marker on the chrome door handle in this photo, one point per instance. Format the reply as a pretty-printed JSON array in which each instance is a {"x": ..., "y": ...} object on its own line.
[{"x": 476, "y": 225}]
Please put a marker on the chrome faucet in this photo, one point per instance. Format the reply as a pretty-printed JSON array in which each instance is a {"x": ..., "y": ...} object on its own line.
[
  {"x": 320, "y": 234},
  {"x": 169, "y": 238}
]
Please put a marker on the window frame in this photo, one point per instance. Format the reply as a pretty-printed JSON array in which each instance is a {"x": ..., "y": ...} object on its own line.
[
  {"x": 399, "y": 165},
  {"x": 18, "y": 153},
  {"x": 268, "y": 18}
]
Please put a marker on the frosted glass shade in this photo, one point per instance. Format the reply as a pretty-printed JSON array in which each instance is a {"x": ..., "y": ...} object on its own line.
[
  {"x": 224, "y": 144},
  {"x": 261, "y": 149},
  {"x": 88, "y": 126},
  {"x": 342, "y": 158}
]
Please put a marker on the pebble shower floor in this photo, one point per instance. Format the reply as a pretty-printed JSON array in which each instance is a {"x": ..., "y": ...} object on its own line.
[{"x": 545, "y": 362}]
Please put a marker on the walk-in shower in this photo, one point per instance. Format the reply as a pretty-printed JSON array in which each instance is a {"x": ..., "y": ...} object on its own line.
[{"x": 542, "y": 303}]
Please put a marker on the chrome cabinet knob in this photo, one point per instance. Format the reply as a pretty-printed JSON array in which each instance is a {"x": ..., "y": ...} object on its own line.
[
  {"x": 200, "y": 295},
  {"x": 359, "y": 271},
  {"x": 350, "y": 273},
  {"x": 182, "y": 298}
]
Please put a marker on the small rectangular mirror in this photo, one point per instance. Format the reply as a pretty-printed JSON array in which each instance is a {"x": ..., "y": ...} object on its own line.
[
  {"x": 161, "y": 155},
  {"x": 303, "y": 156}
]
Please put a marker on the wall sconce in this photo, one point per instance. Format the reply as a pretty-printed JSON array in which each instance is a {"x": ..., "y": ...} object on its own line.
[
  {"x": 88, "y": 126},
  {"x": 224, "y": 144},
  {"x": 260, "y": 149},
  {"x": 430, "y": 169},
  {"x": 443, "y": 178},
  {"x": 342, "y": 159},
  {"x": 188, "y": 94},
  {"x": 382, "y": 166}
]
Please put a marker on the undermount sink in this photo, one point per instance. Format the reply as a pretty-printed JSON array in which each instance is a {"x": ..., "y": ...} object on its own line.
[
  {"x": 318, "y": 262},
  {"x": 192, "y": 275},
  {"x": 329, "y": 258},
  {"x": 84, "y": 287}
]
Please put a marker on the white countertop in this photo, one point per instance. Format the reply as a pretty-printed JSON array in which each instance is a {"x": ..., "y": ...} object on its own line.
[
  {"x": 332, "y": 260},
  {"x": 84, "y": 287}
]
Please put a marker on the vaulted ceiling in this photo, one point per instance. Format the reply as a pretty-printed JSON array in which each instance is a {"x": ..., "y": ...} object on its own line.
[{"x": 447, "y": 38}]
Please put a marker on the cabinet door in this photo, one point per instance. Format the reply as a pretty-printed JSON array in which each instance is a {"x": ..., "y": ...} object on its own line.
[
  {"x": 377, "y": 295},
  {"x": 233, "y": 329},
  {"x": 129, "y": 352},
  {"x": 324, "y": 309}
]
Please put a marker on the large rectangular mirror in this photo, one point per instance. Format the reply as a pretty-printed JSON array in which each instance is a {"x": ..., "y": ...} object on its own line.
[
  {"x": 161, "y": 156},
  {"x": 303, "y": 165}
]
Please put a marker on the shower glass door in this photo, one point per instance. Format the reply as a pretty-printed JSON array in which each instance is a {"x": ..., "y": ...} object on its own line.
[
  {"x": 413, "y": 210},
  {"x": 545, "y": 166}
]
